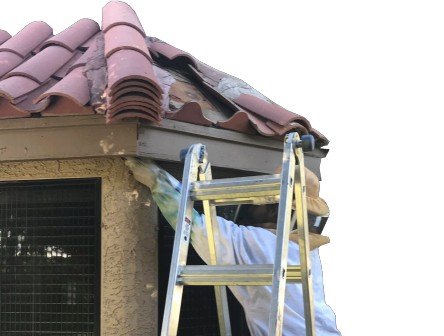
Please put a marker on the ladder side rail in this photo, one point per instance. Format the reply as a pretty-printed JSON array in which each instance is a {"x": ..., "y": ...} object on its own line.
[
  {"x": 283, "y": 234},
  {"x": 213, "y": 234},
  {"x": 181, "y": 244},
  {"x": 304, "y": 244}
]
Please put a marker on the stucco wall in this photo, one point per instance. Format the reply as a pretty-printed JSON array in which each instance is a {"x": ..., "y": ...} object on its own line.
[{"x": 129, "y": 239}]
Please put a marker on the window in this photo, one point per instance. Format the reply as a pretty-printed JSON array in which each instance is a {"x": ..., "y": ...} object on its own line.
[{"x": 50, "y": 257}]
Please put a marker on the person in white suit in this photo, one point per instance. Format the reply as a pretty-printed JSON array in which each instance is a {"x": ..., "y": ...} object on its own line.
[{"x": 252, "y": 242}]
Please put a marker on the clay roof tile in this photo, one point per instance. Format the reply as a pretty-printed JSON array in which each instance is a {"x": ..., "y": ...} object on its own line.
[
  {"x": 27, "y": 39},
  {"x": 4, "y": 36},
  {"x": 269, "y": 111},
  {"x": 190, "y": 112},
  {"x": 123, "y": 37},
  {"x": 129, "y": 65},
  {"x": 8, "y": 62},
  {"x": 74, "y": 86},
  {"x": 16, "y": 87},
  {"x": 43, "y": 65},
  {"x": 74, "y": 36},
  {"x": 119, "y": 13}
]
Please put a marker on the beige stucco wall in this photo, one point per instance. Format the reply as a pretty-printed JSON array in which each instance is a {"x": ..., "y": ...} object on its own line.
[{"x": 129, "y": 239}]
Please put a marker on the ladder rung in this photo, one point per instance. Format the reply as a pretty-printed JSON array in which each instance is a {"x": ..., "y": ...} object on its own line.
[
  {"x": 252, "y": 189},
  {"x": 220, "y": 275}
]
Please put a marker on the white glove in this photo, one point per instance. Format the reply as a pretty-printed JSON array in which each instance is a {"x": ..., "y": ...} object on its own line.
[{"x": 145, "y": 171}]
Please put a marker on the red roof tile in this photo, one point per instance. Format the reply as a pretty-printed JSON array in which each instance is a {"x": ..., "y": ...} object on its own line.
[
  {"x": 15, "y": 87},
  {"x": 62, "y": 106},
  {"x": 269, "y": 111},
  {"x": 124, "y": 74},
  {"x": 74, "y": 36},
  {"x": 8, "y": 62},
  {"x": 27, "y": 39},
  {"x": 29, "y": 104},
  {"x": 125, "y": 65},
  {"x": 119, "y": 13},
  {"x": 123, "y": 38},
  {"x": 290, "y": 127},
  {"x": 43, "y": 65},
  {"x": 74, "y": 87},
  {"x": 240, "y": 121},
  {"x": 190, "y": 112},
  {"x": 171, "y": 52},
  {"x": 68, "y": 66},
  {"x": 4, "y": 36},
  {"x": 8, "y": 110}
]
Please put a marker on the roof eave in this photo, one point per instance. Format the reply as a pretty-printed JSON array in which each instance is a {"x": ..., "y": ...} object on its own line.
[{"x": 70, "y": 137}]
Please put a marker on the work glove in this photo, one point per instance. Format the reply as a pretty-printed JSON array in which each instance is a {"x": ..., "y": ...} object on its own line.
[
  {"x": 145, "y": 171},
  {"x": 316, "y": 240}
]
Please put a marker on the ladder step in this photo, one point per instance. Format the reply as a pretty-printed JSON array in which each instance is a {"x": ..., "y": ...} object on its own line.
[
  {"x": 252, "y": 189},
  {"x": 235, "y": 275}
]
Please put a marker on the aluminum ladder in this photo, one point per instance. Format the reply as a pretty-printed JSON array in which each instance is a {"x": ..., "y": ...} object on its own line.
[{"x": 198, "y": 185}]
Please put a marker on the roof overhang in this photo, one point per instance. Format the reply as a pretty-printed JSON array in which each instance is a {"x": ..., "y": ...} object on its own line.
[{"x": 89, "y": 136}]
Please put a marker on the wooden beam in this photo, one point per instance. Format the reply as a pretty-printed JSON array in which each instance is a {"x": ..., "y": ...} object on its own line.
[
  {"x": 226, "y": 149},
  {"x": 65, "y": 137}
]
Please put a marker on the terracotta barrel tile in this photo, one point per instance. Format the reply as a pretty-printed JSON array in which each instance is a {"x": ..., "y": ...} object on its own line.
[
  {"x": 190, "y": 112},
  {"x": 119, "y": 13},
  {"x": 37, "y": 49},
  {"x": 8, "y": 61},
  {"x": 171, "y": 52},
  {"x": 240, "y": 122},
  {"x": 269, "y": 111},
  {"x": 16, "y": 87},
  {"x": 44, "y": 64},
  {"x": 28, "y": 38},
  {"x": 210, "y": 74},
  {"x": 135, "y": 100},
  {"x": 145, "y": 92},
  {"x": 4, "y": 36},
  {"x": 292, "y": 126},
  {"x": 260, "y": 125},
  {"x": 7, "y": 110},
  {"x": 75, "y": 35},
  {"x": 74, "y": 86},
  {"x": 130, "y": 65},
  {"x": 68, "y": 66},
  {"x": 63, "y": 106},
  {"x": 125, "y": 37},
  {"x": 28, "y": 104},
  {"x": 138, "y": 85}
]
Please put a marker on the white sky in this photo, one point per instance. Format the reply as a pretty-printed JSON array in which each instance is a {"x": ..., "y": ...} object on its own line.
[{"x": 369, "y": 75}]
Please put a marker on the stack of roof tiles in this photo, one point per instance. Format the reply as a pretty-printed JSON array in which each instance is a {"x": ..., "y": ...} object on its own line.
[{"x": 120, "y": 72}]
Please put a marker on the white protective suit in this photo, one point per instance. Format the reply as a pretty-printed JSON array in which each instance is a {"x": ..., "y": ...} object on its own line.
[{"x": 240, "y": 245}]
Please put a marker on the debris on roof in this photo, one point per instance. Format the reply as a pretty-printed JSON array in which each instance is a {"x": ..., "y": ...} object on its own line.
[{"x": 122, "y": 73}]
